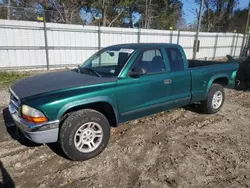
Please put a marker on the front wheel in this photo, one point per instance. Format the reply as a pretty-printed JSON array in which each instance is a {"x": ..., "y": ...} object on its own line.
[
  {"x": 84, "y": 134},
  {"x": 214, "y": 101}
]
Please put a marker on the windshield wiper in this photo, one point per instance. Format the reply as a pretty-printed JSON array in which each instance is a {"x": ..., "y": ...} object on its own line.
[{"x": 90, "y": 69}]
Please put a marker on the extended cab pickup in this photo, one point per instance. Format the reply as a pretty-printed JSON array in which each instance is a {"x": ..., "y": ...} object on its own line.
[{"x": 117, "y": 84}]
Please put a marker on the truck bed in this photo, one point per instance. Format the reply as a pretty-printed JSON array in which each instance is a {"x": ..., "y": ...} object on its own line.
[
  {"x": 201, "y": 63},
  {"x": 204, "y": 71}
]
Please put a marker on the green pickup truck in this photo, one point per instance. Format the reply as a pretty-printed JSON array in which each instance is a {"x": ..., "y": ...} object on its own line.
[{"x": 118, "y": 83}]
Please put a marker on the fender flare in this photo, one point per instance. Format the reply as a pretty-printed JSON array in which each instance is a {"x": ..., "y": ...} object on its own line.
[
  {"x": 91, "y": 100},
  {"x": 233, "y": 76},
  {"x": 211, "y": 81}
]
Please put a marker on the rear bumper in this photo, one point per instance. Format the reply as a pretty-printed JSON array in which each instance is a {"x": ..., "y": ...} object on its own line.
[{"x": 39, "y": 133}]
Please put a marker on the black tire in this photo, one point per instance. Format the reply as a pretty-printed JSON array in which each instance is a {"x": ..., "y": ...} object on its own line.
[
  {"x": 207, "y": 105},
  {"x": 71, "y": 125}
]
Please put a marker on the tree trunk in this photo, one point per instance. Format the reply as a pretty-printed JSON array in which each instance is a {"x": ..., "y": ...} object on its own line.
[
  {"x": 9, "y": 10},
  {"x": 219, "y": 12},
  {"x": 146, "y": 15},
  {"x": 208, "y": 16},
  {"x": 60, "y": 14},
  {"x": 115, "y": 18},
  {"x": 230, "y": 9},
  {"x": 219, "y": 6},
  {"x": 229, "y": 13},
  {"x": 67, "y": 16},
  {"x": 104, "y": 12},
  {"x": 131, "y": 17},
  {"x": 149, "y": 14}
]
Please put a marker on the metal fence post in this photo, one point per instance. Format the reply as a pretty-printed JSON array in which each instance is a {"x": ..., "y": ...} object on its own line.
[
  {"x": 99, "y": 41},
  {"x": 178, "y": 37},
  {"x": 236, "y": 44},
  {"x": 171, "y": 37},
  {"x": 196, "y": 41},
  {"x": 139, "y": 35},
  {"x": 46, "y": 40},
  {"x": 232, "y": 47},
  {"x": 245, "y": 33},
  {"x": 245, "y": 43},
  {"x": 215, "y": 45},
  {"x": 99, "y": 37}
]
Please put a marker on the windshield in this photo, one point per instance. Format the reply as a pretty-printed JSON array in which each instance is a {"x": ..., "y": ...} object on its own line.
[{"x": 108, "y": 61}]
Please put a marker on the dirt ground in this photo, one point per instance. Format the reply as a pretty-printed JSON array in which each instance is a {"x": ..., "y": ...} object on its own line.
[{"x": 180, "y": 148}]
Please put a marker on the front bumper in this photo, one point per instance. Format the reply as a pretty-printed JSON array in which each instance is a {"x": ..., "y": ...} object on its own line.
[{"x": 39, "y": 133}]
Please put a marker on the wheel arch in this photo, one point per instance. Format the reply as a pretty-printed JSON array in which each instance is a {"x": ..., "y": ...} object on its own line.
[
  {"x": 221, "y": 79},
  {"x": 103, "y": 105}
]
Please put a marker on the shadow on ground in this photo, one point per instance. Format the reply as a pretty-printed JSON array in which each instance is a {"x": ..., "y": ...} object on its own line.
[
  {"x": 6, "y": 181},
  {"x": 56, "y": 148},
  {"x": 193, "y": 108},
  {"x": 16, "y": 134}
]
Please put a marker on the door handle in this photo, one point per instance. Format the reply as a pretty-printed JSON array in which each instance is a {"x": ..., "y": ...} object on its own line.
[{"x": 168, "y": 81}]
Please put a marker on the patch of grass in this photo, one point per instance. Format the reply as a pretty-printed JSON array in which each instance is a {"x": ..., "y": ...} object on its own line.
[{"x": 8, "y": 77}]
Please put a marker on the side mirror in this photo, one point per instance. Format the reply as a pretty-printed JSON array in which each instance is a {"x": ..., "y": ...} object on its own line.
[
  {"x": 137, "y": 72},
  {"x": 111, "y": 53}
]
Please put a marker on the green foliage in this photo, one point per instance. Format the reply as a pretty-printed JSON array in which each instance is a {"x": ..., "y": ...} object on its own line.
[
  {"x": 9, "y": 77},
  {"x": 218, "y": 15},
  {"x": 167, "y": 14},
  {"x": 239, "y": 19},
  {"x": 3, "y": 13}
]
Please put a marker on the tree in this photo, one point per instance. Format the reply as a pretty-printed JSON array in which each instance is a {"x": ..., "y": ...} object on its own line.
[
  {"x": 217, "y": 15},
  {"x": 239, "y": 19},
  {"x": 161, "y": 14},
  {"x": 169, "y": 15},
  {"x": 65, "y": 11},
  {"x": 157, "y": 14},
  {"x": 130, "y": 7},
  {"x": 113, "y": 12},
  {"x": 17, "y": 10},
  {"x": 3, "y": 11}
]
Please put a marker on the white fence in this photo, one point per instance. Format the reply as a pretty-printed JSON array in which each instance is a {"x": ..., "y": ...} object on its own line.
[{"x": 22, "y": 43}]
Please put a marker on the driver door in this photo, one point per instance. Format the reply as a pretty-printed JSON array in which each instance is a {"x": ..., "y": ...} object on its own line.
[{"x": 145, "y": 94}]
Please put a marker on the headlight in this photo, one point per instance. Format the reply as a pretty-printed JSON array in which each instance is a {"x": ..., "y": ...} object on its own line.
[{"x": 33, "y": 115}]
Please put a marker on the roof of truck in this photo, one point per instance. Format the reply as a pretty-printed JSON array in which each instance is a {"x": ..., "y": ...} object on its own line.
[{"x": 144, "y": 45}]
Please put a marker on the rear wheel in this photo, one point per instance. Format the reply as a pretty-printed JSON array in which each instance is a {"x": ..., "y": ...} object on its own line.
[
  {"x": 214, "y": 101},
  {"x": 84, "y": 134}
]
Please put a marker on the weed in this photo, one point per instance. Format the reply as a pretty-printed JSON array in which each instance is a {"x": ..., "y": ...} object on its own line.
[{"x": 8, "y": 77}]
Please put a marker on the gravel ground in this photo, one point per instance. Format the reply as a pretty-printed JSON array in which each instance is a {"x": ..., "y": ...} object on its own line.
[
  {"x": 180, "y": 148},
  {"x": 4, "y": 98}
]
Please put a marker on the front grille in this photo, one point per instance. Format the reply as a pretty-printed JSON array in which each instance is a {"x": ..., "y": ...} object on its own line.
[{"x": 15, "y": 102}]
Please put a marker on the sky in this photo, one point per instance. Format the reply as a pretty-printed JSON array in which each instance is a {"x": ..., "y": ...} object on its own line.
[{"x": 190, "y": 7}]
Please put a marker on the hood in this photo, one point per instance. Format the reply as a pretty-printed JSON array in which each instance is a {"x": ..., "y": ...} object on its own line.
[{"x": 53, "y": 81}]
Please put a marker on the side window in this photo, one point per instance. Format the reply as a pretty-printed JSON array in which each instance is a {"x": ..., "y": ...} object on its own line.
[
  {"x": 175, "y": 59},
  {"x": 151, "y": 60},
  {"x": 150, "y": 54}
]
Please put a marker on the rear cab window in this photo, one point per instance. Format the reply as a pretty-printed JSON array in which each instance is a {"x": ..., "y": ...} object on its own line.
[
  {"x": 151, "y": 60},
  {"x": 176, "y": 61}
]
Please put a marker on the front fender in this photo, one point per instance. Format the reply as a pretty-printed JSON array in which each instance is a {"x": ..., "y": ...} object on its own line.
[
  {"x": 211, "y": 81},
  {"x": 77, "y": 103}
]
